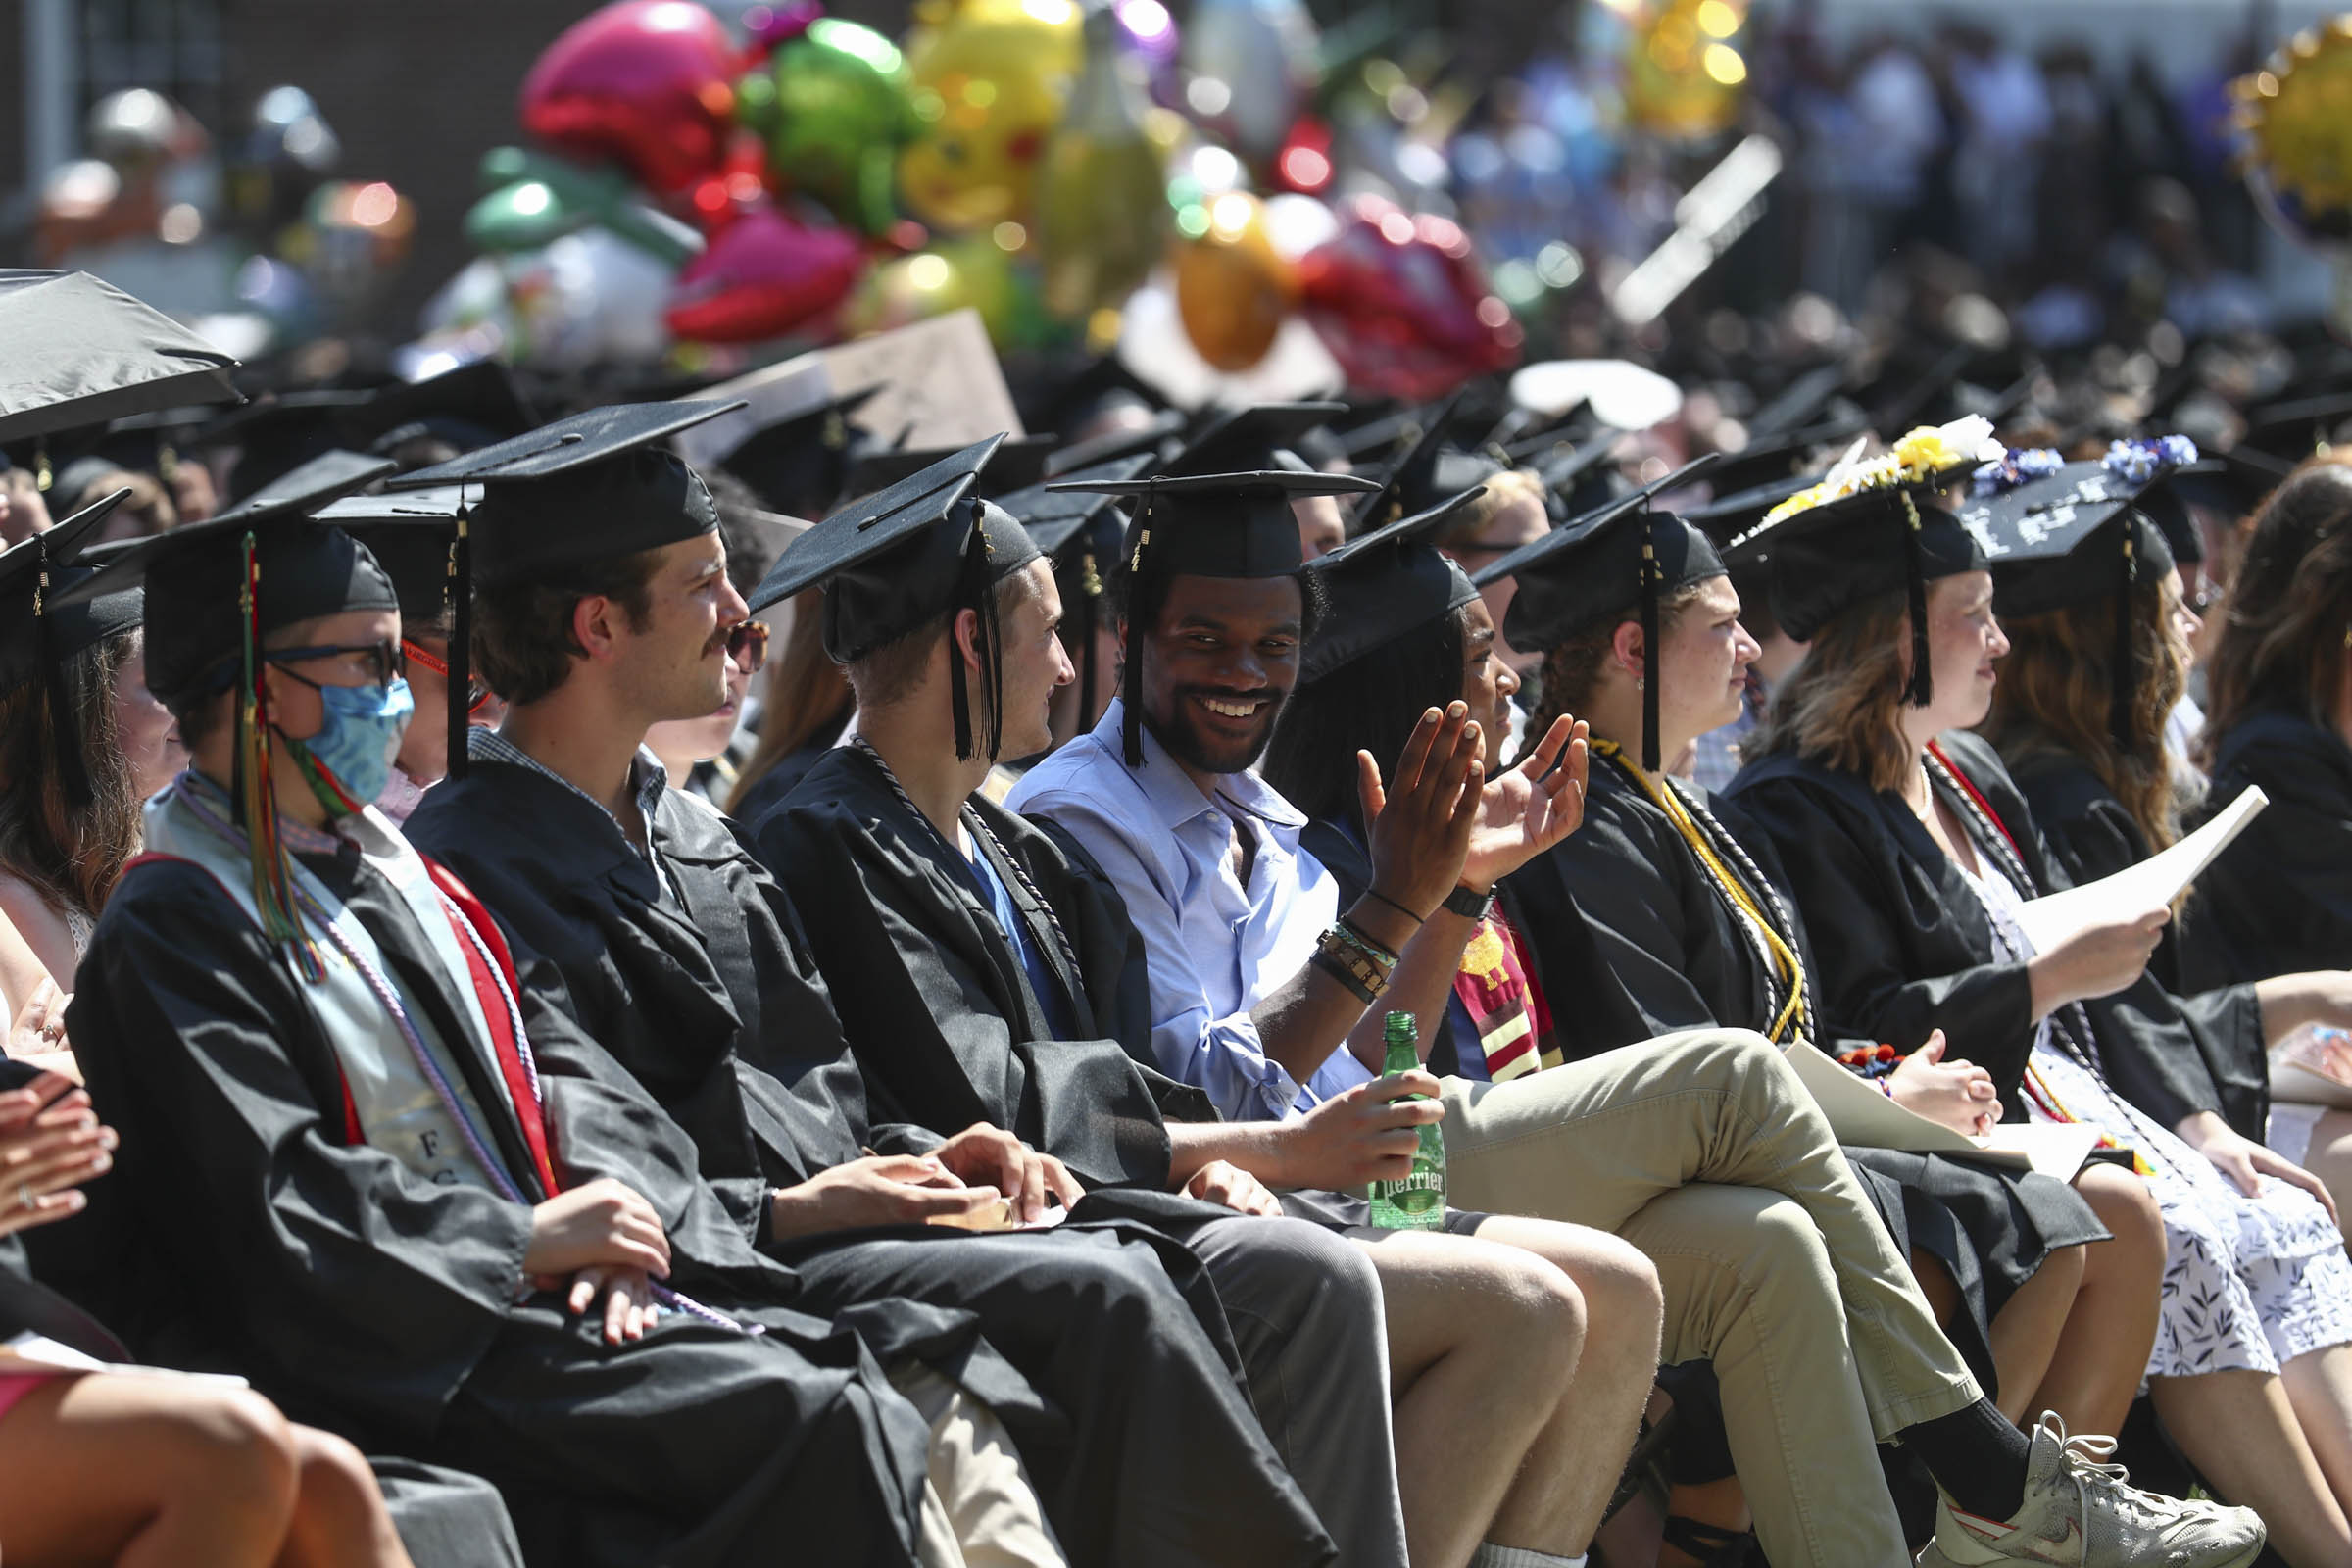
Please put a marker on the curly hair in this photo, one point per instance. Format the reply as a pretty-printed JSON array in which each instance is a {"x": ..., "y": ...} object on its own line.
[
  {"x": 1572, "y": 668},
  {"x": 72, "y": 856},
  {"x": 1843, "y": 705},
  {"x": 2288, "y": 621},
  {"x": 2055, "y": 698}
]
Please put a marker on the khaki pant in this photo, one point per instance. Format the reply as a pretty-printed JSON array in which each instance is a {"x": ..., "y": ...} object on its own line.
[
  {"x": 1705, "y": 1151},
  {"x": 980, "y": 1509}
]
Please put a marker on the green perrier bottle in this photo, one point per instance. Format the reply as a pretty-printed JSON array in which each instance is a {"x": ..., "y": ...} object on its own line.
[{"x": 1414, "y": 1203}]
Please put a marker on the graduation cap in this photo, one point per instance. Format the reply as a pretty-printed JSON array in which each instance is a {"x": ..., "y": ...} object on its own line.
[
  {"x": 898, "y": 560},
  {"x": 82, "y": 353},
  {"x": 1382, "y": 585},
  {"x": 585, "y": 488},
  {"x": 1018, "y": 463},
  {"x": 1079, "y": 530},
  {"x": 410, "y": 533},
  {"x": 44, "y": 622},
  {"x": 2233, "y": 484},
  {"x": 1803, "y": 402},
  {"x": 1206, "y": 526},
  {"x": 1411, "y": 482},
  {"x": 1729, "y": 516},
  {"x": 1253, "y": 438},
  {"x": 1777, "y": 459},
  {"x": 1372, "y": 441},
  {"x": 468, "y": 406},
  {"x": 1144, "y": 440},
  {"x": 1623, "y": 556},
  {"x": 2295, "y": 429},
  {"x": 278, "y": 433},
  {"x": 799, "y": 466},
  {"x": 2069, "y": 535}
]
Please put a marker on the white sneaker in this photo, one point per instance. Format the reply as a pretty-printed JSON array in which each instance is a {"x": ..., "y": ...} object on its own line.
[{"x": 2079, "y": 1513}]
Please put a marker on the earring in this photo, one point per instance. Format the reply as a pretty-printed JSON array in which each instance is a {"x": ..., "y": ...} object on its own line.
[{"x": 1640, "y": 683}]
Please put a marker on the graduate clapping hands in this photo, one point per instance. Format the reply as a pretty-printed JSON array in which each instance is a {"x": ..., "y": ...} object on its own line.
[{"x": 50, "y": 1143}]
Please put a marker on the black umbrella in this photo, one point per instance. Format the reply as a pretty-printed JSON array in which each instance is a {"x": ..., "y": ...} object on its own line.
[{"x": 77, "y": 352}]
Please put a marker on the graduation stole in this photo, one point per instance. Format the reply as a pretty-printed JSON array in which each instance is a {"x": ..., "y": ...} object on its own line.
[
  {"x": 1790, "y": 1020},
  {"x": 1497, "y": 988},
  {"x": 401, "y": 1091}
]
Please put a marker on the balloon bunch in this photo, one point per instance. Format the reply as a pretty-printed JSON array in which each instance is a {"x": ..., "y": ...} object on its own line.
[{"x": 1067, "y": 168}]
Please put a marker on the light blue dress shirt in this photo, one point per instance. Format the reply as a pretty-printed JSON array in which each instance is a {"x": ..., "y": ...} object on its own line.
[{"x": 1216, "y": 946}]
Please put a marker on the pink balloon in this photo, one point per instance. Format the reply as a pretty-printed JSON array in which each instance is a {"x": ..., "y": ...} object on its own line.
[
  {"x": 762, "y": 276},
  {"x": 1402, "y": 303},
  {"x": 644, "y": 84}
]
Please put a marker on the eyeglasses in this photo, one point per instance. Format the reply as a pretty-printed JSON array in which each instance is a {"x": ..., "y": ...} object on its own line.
[
  {"x": 747, "y": 645},
  {"x": 477, "y": 694},
  {"x": 384, "y": 661}
]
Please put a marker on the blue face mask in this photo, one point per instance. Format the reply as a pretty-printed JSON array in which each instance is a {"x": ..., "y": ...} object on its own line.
[{"x": 358, "y": 740}]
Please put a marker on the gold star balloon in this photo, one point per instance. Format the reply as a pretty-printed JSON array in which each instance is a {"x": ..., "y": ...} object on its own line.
[{"x": 2294, "y": 121}]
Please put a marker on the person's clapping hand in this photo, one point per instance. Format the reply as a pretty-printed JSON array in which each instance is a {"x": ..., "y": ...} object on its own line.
[
  {"x": 50, "y": 1143},
  {"x": 1532, "y": 806}
]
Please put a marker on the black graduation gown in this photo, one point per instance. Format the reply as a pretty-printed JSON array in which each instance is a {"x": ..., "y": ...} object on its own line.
[
  {"x": 1904, "y": 948},
  {"x": 361, "y": 1298},
  {"x": 1673, "y": 956},
  {"x": 2089, "y": 835},
  {"x": 713, "y": 1000},
  {"x": 948, "y": 1026},
  {"x": 2279, "y": 901}
]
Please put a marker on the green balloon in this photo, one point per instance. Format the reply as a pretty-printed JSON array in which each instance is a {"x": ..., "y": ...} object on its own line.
[{"x": 833, "y": 109}]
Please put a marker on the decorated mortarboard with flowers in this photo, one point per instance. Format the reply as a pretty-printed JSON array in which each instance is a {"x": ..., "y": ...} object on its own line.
[
  {"x": 1870, "y": 525},
  {"x": 2058, "y": 535}
]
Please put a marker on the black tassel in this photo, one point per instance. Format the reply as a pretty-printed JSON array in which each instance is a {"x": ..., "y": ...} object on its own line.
[
  {"x": 2124, "y": 679},
  {"x": 1921, "y": 685},
  {"x": 460, "y": 640},
  {"x": 1649, "y": 649},
  {"x": 65, "y": 725}
]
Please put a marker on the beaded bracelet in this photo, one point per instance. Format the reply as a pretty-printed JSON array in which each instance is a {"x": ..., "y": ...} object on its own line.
[{"x": 1379, "y": 952}]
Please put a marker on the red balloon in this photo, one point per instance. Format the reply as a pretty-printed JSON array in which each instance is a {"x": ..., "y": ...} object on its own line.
[
  {"x": 645, "y": 84},
  {"x": 1402, "y": 303},
  {"x": 761, "y": 276}
]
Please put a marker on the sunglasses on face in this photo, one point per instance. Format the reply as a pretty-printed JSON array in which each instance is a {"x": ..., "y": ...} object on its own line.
[
  {"x": 747, "y": 645},
  {"x": 477, "y": 694},
  {"x": 383, "y": 660}
]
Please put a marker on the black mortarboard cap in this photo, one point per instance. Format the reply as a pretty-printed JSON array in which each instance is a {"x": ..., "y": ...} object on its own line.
[
  {"x": 1080, "y": 532},
  {"x": 279, "y": 433},
  {"x": 197, "y": 574},
  {"x": 799, "y": 466},
  {"x": 46, "y": 620},
  {"x": 1246, "y": 440},
  {"x": 590, "y": 487},
  {"x": 2069, "y": 538},
  {"x": 1210, "y": 525},
  {"x": 1411, "y": 483},
  {"x": 1729, "y": 516},
  {"x": 2293, "y": 429},
  {"x": 82, "y": 352},
  {"x": 1623, "y": 556},
  {"x": 1802, "y": 403},
  {"x": 1143, "y": 441},
  {"x": 2233, "y": 484},
  {"x": 410, "y": 532},
  {"x": 898, "y": 560},
  {"x": 1826, "y": 558},
  {"x": 1018, "y": 463},
  {"x": 468, "y": 406},
  {"x": 1380, "y": 585},
  {"x": 1768, "y": 460}
]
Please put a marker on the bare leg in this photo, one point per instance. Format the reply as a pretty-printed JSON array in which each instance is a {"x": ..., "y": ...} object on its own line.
[
  {"x": 2026, "y": 1331},
  {"x": 340, "y": 1520},
  {"x": 144, "y": 1473},
  {"x": 2239, "y": 1429},
  {"x": 1483, "y": 1338},
  {"x": 1568, "y": 1474},
  {"x": 2329, "y": 1156},
  {"x": 2319, "y": 1385},
  {"x": 2104, "y": 1348}
]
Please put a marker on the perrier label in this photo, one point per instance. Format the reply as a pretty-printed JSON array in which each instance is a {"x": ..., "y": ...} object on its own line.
[{"x": 1414, "y": 1203}]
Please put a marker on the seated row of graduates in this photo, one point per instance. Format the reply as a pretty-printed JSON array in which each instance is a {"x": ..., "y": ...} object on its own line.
[{"x": 611, "y": 1055}]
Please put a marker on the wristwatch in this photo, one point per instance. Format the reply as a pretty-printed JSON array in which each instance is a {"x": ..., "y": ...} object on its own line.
[{"x": 1469, "y": 904}]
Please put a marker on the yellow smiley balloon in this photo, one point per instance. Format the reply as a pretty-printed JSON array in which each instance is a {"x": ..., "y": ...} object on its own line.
[{"x": 990, "y": 78}]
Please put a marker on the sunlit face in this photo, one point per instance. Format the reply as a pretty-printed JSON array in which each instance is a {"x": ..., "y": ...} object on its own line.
[
  {"x": 1219, "y": 666},
  {"x": 698, "y": 740},
  {"x": 1703, "y": 662},
  {"x": 149, "y": 737},
  {"x": 1489, "y": 683},
  {"x": 1964, "y": 642},
  {"x": 1522, "y": 520},
  {"x": 1035, "y": 663},
  {"x": 676, "y": 667},
  {"x": 2181, "y": 624}
]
